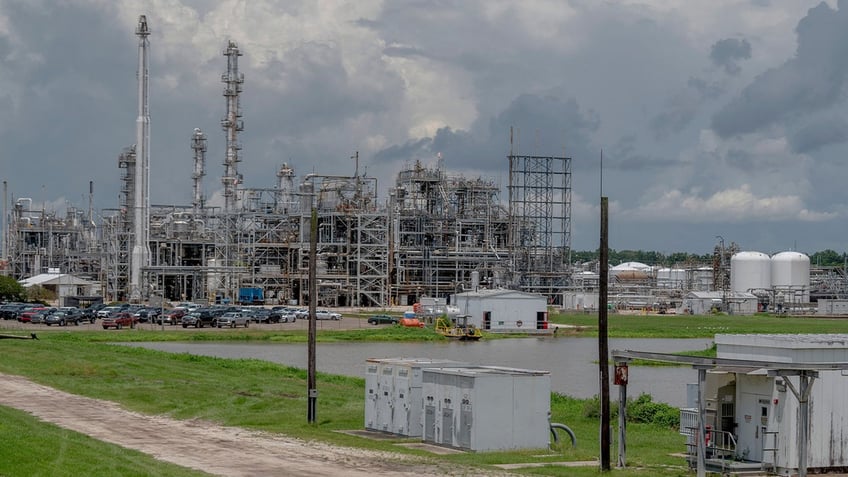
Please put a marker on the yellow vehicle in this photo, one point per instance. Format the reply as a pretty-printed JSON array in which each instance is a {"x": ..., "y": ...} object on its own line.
[{"x": 462, "y": 330}]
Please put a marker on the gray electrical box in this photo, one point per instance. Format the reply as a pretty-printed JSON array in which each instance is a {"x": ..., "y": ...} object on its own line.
[
  {"x": 393, "y": 393},
  {"x": 486, "y": 408}
]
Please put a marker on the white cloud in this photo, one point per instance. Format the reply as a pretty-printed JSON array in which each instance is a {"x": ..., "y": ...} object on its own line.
[{"x": 727, "y": 205}]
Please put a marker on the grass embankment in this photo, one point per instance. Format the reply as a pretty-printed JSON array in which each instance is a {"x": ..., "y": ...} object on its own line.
[
  {"x": 698, "y": 326},
  {"x": 32, "y": 447},
  {"x": 258, "y": 395}
]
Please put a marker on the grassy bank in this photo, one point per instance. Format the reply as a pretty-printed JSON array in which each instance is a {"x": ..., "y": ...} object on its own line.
[
  {"x": 260, "y": 395},
  {"x": 698, "y": 326},
  {"x": 32, "y": 447}
]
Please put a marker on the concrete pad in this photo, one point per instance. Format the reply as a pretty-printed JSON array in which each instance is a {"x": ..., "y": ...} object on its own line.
[{"x": 439, "y": 450}]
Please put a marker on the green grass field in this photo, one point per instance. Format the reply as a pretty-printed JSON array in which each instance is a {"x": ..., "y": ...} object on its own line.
[
  {"x": 265, "y": 396},
  {"x": 257, "y": 395}
]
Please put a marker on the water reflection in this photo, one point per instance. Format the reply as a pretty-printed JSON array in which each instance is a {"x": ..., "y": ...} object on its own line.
[{"x": 571, "y": 361}]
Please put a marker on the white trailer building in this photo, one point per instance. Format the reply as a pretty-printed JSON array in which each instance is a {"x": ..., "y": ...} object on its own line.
[
  {"x": 503, "y": 310},
  {"x": 766, "y": 402},
  {"x": 487, "y": 408}
]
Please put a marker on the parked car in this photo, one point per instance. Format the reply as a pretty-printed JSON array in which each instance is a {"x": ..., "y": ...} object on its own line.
[
  {"x": 40, "y": 317},
  {"x": 327, "y": 315},
  {"x": 10, "y": 311},
  {"x": 199, "y": 318},
  {"x": 148, "y": 314},
  {"x": 26, "y": 315},
  {"x": 108, "y": 310},
  {"x": 171, "y": 317},
  {"x": 288, "y": 316},
  {"x": 262, "y": 315},
  {"x": 301, "y": 313},
  {"x": 233, "y": 319},
  {"x": 118, "y": 320},
  {"x": 88, "y": 314},
  {"x": 382, "y": 320},
  {"x": 63, "y": 318}
]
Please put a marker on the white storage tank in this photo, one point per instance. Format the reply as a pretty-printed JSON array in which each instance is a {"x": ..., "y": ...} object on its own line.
[
  {"x": 750, "y": 271},
  {"x": 790, "y": 274},
  {"x": 671, "y": 278}
]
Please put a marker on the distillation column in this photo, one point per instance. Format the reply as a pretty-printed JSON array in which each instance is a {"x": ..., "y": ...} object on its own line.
[
  {"x": 198, "y": 145},
  {"x": 232, "y": 124},
  {"x": 141, "y": 205}
]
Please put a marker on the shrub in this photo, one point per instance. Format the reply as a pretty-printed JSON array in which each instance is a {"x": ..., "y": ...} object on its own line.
[{"x": 642, "y": 410}]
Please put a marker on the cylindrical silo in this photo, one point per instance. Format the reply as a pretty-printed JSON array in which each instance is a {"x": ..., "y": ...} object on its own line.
[
  {"x": 750, "y": 271},
  {"x": 790, "y": 274}
]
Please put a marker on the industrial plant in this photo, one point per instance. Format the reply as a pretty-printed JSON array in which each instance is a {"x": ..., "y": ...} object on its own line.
[{"x": 423, "y": 236}]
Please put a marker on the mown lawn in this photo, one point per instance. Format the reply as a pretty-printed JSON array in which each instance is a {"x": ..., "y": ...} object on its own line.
[{"x": 266, "y": 396}]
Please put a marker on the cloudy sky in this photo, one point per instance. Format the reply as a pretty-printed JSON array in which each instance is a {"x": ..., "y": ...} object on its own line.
[{"x": 721, "y": 118}]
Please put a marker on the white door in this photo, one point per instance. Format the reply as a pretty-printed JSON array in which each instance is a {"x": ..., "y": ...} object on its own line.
[{"x": 753, "y": 415}]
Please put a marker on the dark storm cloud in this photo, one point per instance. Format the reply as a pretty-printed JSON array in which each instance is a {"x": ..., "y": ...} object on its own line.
[
  {"x": 741, "y": 160},
  {"x": 683, "y": 107},
  {"x": 68, "y": 101},
  {"x": 706, "y": 89},
  {"x": 542, "y": 125},
  {"x": 402, "y": 51},
  {"x": 813, "y": 80},
  {"x": 818, "y": 134},
  {"x": 727, "y": 52},
  {"x": 624, "y": 156}
]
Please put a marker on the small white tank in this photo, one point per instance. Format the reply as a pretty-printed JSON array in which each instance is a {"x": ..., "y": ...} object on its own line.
[
  {"x": 790, "y": 274},
  {"x": 750, "y": 271}
]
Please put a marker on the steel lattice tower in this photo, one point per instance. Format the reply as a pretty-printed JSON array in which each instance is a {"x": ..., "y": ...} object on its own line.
[{"x": 540, "y": 218}]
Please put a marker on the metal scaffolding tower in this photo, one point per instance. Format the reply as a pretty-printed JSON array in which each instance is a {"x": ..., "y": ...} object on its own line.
[{"x": 540, "y": 212}]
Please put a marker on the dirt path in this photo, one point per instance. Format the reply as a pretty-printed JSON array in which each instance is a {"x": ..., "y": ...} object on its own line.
[{"x": 208, "y": 447}]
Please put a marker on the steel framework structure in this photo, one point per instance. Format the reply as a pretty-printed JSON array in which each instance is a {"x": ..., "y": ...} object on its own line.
[{"x": 540, "y": 228}]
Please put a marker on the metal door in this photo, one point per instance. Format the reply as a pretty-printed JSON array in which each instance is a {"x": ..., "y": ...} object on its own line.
[
  {"x": 753, "y": 415},
  {"x": 430, "y": 423},
  {"x": 466, "y": 419},
  {"x": 447, "y": 426}
]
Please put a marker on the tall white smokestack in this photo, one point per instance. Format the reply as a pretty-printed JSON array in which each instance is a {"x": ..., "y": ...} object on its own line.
[{"x": 141, "y": 202}]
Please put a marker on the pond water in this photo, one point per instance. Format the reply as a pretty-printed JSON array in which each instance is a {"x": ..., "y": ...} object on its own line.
[{"x": 572, "y": 362}]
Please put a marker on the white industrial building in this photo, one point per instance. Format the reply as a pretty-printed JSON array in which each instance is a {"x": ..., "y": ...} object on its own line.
[
  {"x": 63, "y": 285},
  {"x": 487, "y": 408},
  {"x": 829, "y": 306},
  {"x": 703, "y": 302},
  {"x": 503, "y": 310},
  {"x": 773, "y": 403},
  {"x": 766, "y": 415},
  {"x": 393, "y": 400}
]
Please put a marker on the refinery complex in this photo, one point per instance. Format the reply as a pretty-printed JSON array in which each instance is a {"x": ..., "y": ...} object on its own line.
[
  {"x": 422, "y": 236},
  {"x": 424, "y": 239}
]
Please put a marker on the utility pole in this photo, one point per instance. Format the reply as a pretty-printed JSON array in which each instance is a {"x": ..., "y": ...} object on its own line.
[
  {"x": 603, "y": 344},
  {"x": 313, "y": 303}
]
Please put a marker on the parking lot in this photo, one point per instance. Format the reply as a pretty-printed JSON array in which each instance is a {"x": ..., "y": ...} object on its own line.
[{"x": 346, "y": 323}]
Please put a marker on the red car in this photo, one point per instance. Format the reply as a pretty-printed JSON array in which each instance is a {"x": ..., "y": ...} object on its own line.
[
  {"x": 27, "y": 314},
  {"x": 119, "y": 320}
]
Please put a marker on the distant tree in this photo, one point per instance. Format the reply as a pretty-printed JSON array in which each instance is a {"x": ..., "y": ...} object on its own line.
[
  {"x": 827, "y": 258},
  {"x": 11, "y": 290},
  {"x": 39, "y": 293}
]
